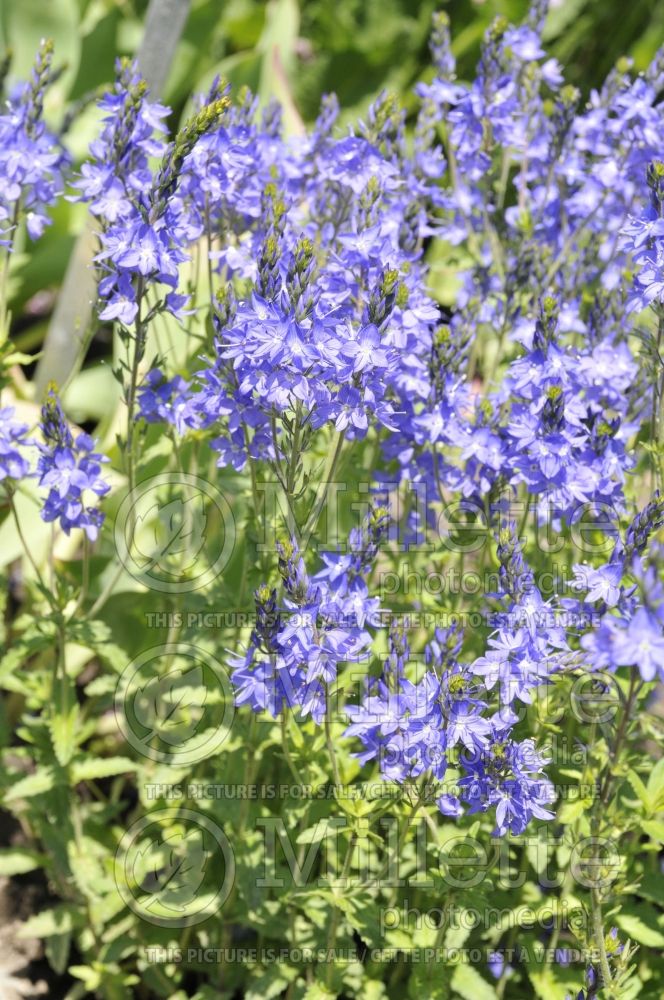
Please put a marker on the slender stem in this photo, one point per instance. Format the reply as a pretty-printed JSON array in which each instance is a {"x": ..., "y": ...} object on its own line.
[
  {"x": 329, "y": 742},
  {"x": 436, "y": 470},
  {"x": 4, "y": 275},
  {"x": 294, "y": 770},
  {"x": 295, "y": 450},
  {"x": 598, "y": 934},
  {"x": 62, "y": 671},
  {"x": 85, "y": 582},
  {"x": 292, "y": 467},
  {"x": 599, "y": 810},
  {"x": 524, "y": 519},
  {"x": 398, "y": 849},
  {"x": 139, "y": 347},
  {"x": 634, "y": 688},
  {"x": 334, "y": 923},
  {"x": 330, "y": 469},
  {"x": 658, "y": 408},
  {"x": 24, "y": 543}
]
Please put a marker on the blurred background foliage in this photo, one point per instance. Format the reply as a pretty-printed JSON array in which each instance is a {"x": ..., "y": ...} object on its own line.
[{"x": 295, "y": 50}]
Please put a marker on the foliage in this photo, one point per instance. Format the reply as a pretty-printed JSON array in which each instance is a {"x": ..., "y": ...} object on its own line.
[{"x": 333, "y": 638}]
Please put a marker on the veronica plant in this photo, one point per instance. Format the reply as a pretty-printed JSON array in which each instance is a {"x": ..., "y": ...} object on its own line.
[{"x": 369, "y": 534}]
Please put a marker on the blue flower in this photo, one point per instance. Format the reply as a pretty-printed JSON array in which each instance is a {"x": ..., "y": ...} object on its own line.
[
  {"x": 70, "y": 470},
  {"x": 641, "y": 645},
  {"x": 14, "y": 465},
  {"x": 32, "y": 159}
]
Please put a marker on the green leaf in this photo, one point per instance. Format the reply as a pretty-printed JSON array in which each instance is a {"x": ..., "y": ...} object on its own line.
[
  {"x": 561, "y": 16},
  {"x": 57, "y": 948},
  {"x": 656, "y": 785},
  {"x": 654, "y": 828},
  {"x": 97, "y": 636},
  {"x": 640, "y": 789},
  {"x": 43, "y": 780},
  {"x": 640, "y": 923},
  {"x": 29, "y": 21},
  {"x": 63, "y": 732},
  {"x": 92, "y": 395},
  {"x": 363, "y": 914},
  {"x": 33, "y": 640},
  {"x": 571, "y": 811},
  {"x": 278, "y": 43},
  {"x": 60, "y": 920},
  {"x": 652, "y": 888},
  {"x": 468, "y": 983},
  {"x": 92, "y": 768},
  {"x": 90, "y": 977},
  {"x": 270, "y": 984},
  {"x": 552, "y": 981},
  {"x": 317, "y": 991},
  {"x": 18, "y": 861},
  {"x": 317, "y": 833}
]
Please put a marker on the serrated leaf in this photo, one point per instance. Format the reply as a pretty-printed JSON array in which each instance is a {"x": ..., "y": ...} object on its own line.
[
  {"x": 169, "y": 707},
  {"x": 175, "y": 529},
  {"x": 640, "y": 789},
  {"x": 92, "y": 768},
  {"x": 640, "y": 923},
  {"x": 317, "y": 991},
  {"x": 171, "y": 871},
  {"x": 317, "y": 833},
  {"x": 655, "y": 785},
  {"x": 63, "y": 733},
  {"x": 270, "y": 984},
  {"x": 60, "y": 920},
  {"x": 43, "y": 780},
  {"x": 654, "y": 828},
  {"x": 570, "y": 811},
  {"x": 18, "y": 861},
  {"x": 468, "y": 983},
  {"x": 97, "y": 636},
  {"x": 363, "y": 915},
  {"x": 57, "y": 948}
]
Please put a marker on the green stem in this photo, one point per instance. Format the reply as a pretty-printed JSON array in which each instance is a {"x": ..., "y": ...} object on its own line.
[
  {"x": 334, "y": 923},
  {"x": 658, "y": 408},
  {"x": 285, "y": 745},
  {"x": 4, "y": 275},
  {"x": 26, "y": 548},
  {"x": 60, "y": 674},
  {"x": 607, "y": 782},
  {"x": 330, "y": 469},
  {"x": 329, "y": 742},
  {"x": 598, "y": 934},
  {"x": 139, "y": 347},
  {"x": 403, "y": 833},
  {"x": 291, "y": 474},
  {"x": 85, "y": 582}
]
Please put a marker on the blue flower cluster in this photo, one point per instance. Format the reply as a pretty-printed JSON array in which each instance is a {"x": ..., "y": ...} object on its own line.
[
  {"x": 67, "y": 467},
  {"x": 70, "y": 470},
  {"x": 32, "y": 159},
  {"x": 326, "y": 316},
  {"x": 449, "y": 718},
  {"x": 13, "y": 439},
  {"x": 630, "y": 597},
  {"x": 145, "y": 224},
  {"x": 319, "y": 622},
  {"x": 643, "y": 237},
  {"x": 336, "y": 298}
]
